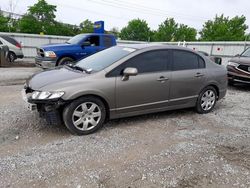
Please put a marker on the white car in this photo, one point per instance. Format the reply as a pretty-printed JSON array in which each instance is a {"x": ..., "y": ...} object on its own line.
[{"x": 15, "y": 48}]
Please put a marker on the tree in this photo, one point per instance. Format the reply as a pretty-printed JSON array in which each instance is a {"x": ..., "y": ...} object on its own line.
[
  {"x": 166, "y": 30},
  {"x": 136, "y": 30},
  {"x": 114, "y": 31},
  {"x": 224, "y": 29},
  {"x": 185, "y": 33},
  {"x": 169, "y": 30},
  {"x": 40, "y": 18},
  {"x": 29, "y": 24},
  {"x": 4, "y": 27},
  {"x": 87, "y": 26}
]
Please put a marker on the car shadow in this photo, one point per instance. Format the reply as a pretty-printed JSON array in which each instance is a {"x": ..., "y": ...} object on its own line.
[
  {"x": 130, "y": 121},
  {"x": 239, "y": 86}
]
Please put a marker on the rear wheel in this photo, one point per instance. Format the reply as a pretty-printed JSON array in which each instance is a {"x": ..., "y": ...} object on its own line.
[
  {"x": 11, "y": 57},
  {"x": 65, "y": 61},
  {"x": 206, "y": 100},
  {"x": 85, "y": 115}
]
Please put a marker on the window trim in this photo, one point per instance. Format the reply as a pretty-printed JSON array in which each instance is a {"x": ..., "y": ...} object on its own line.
[
  {"x": 167, "y": 65},
  {"x": 197, "y": 55}
]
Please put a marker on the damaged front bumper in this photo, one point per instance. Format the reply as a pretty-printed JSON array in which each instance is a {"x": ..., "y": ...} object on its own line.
[{"x": 49, "y": 109}]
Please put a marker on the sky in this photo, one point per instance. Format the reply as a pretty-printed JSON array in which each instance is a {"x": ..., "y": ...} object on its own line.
[{"x": 117, "y": 13}]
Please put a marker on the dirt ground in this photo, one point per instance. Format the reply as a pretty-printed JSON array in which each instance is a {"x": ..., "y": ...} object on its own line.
[{"x": 171, "y": 149}]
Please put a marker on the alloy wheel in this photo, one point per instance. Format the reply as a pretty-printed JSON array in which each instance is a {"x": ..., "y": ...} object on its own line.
[
  {"x": 208, "y": 100},
  {"x": 86, "y": 116}
]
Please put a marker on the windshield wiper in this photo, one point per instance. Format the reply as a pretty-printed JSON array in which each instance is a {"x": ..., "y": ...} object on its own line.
[{"x": 75, "y": 67}]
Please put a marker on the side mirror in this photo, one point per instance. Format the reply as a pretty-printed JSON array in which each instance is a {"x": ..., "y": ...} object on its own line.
[
  {"x": 129, "y": 71},
  {"x": 86, "y": 43},
  {"x": 218, "y": 60}
]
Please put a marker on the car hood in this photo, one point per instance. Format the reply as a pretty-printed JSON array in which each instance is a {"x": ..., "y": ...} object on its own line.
[
  {"x": 55, "y": 47},
  {"x": 49, "y": 77},
  {"x": 241, "y": 60}
]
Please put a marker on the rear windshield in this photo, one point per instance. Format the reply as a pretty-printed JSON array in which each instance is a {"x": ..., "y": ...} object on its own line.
[
  {"x": 9, "y": 39},
  {"x": 246, "y": 53},
  {"x": 105, "y": 58}
]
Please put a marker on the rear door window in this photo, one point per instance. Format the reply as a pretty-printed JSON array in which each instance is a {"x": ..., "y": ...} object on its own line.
[
  {"x": 93, "y": 40},
  {"x": 184, "y": 60},
  {"x": 10, "y": 40},
  {"x": 107, "y": 41}
]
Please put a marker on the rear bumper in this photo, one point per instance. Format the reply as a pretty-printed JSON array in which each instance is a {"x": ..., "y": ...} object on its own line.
[
  {"x": 45, "y": 62},
  {"x": 222, "y": 93},
  {"x": 20, "y": 56}
]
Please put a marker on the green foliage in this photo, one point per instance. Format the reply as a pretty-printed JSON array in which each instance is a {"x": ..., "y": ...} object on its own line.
[
  {"x": 4, "y": 27},
  {"x": 166, "y": 30},
  {"x": 115, "y": 31},
  {"x": 87, "y": 26},
  {"x": 43, "y": 12},
  {"x": 136, "y": 30},
  {"x": 224, "y": 29},
  {"x": 169, "y": 30},
  {"x": 40, "y": 18},
  {"x": 185, "y": 33},
  {"x": 29, "y": 24}
]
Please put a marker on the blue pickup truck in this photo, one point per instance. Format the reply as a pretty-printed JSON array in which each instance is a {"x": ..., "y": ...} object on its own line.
[{"x": 78, "y": 47}]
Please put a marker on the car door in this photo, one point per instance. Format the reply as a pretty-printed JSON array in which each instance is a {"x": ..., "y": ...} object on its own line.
[
  {"x": 188, "y": 77},
  {"x": 150, "y": 88},
  {"x": 93, "y": 47}
]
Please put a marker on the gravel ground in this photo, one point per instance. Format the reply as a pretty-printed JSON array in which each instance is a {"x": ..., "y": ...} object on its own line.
[{"x": 171, "y": 149}]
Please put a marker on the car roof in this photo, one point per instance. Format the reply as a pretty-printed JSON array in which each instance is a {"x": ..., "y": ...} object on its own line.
[{"x": 154, "y": 46}]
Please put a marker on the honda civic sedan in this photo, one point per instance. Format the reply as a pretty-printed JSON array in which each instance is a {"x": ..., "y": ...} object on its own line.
[{"x": 125, "y": 81}]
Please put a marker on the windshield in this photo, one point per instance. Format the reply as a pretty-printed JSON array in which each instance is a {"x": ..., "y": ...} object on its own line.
[
  {"x": 76, "y": 39},
  {"x": 246, "y": 53},
  {"x": 105, "y": 58}
]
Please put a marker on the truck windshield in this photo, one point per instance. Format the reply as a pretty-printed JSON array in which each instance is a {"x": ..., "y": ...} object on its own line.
[
  {"x": 76, "y": 39},
  {"x": 246, "y": 53},
  {"x": 105, "y": 58}
]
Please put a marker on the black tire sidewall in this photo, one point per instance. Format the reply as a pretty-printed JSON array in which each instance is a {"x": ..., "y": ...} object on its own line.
[
  {"x": 69, "y": 109},
  {"x": 199, "y": 109},
  {"x": 12, "y": 57},
  {"x": 64, "y": 59}
]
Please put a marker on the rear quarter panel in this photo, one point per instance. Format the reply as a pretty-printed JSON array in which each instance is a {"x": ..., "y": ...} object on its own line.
[{"x": 217, "y": 75}]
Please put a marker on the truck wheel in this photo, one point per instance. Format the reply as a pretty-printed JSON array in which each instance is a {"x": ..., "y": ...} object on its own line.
[
  {"x": 84, "y": 115},
  {"x": 65, "y": 61},
  {"x": 206, "y": 100}
]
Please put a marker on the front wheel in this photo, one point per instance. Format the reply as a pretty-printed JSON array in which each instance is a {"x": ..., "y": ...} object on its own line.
[
  {"x": 65, "y": 61},
  {"x": 85, "y": 115},
  {"x": 206, "y": 100}
]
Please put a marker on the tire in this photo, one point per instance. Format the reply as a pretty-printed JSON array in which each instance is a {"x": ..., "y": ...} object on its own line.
[
  {"x": 65, "y": 60},
  {"x": 206, "y": 100},
  {"x": 11, "y": 57},
  {"x": 79, "y": 115}
]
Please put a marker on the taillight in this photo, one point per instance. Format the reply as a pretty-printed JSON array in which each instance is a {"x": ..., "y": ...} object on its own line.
[{"x": 18, "y": 45}]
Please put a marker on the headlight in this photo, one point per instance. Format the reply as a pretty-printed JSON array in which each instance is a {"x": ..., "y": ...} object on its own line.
[
  {"x": 233, "y": 64},
  {"x": 49, "y": 54},
  {"x": 40, "y": 95}
]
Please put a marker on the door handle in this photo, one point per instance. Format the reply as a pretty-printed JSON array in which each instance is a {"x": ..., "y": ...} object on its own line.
[
  {"x": 162, "y": 79},
  {"x": 198, "y": 74}
]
